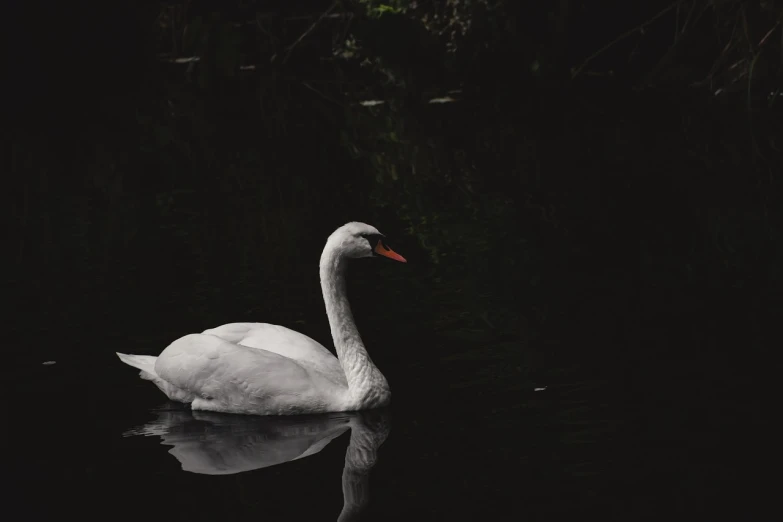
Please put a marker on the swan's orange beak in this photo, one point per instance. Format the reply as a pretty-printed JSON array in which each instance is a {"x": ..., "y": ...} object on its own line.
[{"x": 383, "y": 250}]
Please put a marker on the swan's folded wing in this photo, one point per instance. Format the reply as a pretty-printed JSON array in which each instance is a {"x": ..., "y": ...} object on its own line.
[
  {"x": 282, "y": 341},
  {"x": 232, "y": 332},
  {"x": 239, "y": 378}
]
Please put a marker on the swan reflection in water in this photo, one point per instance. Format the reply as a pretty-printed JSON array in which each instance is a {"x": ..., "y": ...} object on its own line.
[{"x": 223, "y": 444}]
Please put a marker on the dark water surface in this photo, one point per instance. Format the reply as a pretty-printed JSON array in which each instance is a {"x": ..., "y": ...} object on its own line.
[{"x": 466, "y": 438}]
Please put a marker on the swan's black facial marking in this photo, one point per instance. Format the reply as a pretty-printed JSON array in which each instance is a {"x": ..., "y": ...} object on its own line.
[
  {"x": 374, "y": 240},
  {"x": 378, "y": 247}
]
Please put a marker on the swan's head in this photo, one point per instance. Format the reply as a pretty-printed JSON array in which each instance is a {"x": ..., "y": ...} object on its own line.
[{"x": 356, "y": 239}]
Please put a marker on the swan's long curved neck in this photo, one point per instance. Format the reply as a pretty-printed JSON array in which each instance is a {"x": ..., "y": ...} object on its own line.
[{"x": 366, "y": 385}]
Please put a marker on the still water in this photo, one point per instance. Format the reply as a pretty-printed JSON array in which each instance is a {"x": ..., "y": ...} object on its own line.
[
  {"x": 88, "y": 438},
  {"x": 486, "y": 423}
]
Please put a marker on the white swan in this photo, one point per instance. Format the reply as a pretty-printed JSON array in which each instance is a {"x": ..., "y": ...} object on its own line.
[{"x": 265, "y": 369}]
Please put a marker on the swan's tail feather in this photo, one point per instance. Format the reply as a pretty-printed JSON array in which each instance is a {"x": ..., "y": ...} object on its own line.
[{"x": 145, "y": 363}]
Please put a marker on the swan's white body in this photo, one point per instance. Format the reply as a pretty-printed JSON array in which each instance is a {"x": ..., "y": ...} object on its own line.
[{"x": 266, "y": 369}]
